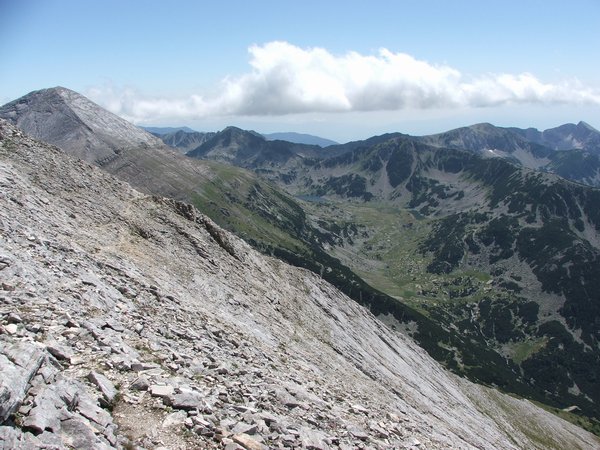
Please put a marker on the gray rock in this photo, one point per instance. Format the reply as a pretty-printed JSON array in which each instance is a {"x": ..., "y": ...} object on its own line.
[
  {"x": 47, "y": 412},
  {"x": 106, "y": 387},
  {"x": 185, "y": 400},
  {"x": 94, "y": 413},
  {"x": 175, "y": 419},
  {"x": 161, "y": 390},
  {"x": 11, "y": 328},
  {"x": 244, "y": 428},
  {"x": 313, "y": 439},
  {"x": 248, "y": 442},
  {"x": 358, "y": 433},
  {"x": 59, "y": 351},
  {"x": 19, "y": 362},
  {"x": 13, "y": 318},
  {"x": 78, "y": 434},
  {"x": 141, "y": 383}
]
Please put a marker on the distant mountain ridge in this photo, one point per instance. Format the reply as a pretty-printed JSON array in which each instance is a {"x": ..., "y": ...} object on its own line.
[
  {"x": 168, "y": 130},
  {"x": 300, "y": 138},
  {"x": 571, "y": 151},
  {"x": 564, "y": 137},
  {"x": 183, "y": 140},
  {"x": 250, "y": 150}
]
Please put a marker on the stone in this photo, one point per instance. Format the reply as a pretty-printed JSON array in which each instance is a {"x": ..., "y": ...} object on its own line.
[
  {"x": 360, "y": 409},
  {"x": 59, "y": 351},
  {"x": 248, "y": 442},
  {"x": 11, "y": 328},
  {"x": 175, "y": 419},
  {"x": 44, "y": 416},
  {"x": 141, "y": 366},
  {"x": 232, "y": 446},
  {"x": 106, "y": 387},
  {"x": 19, "y": 362},
  {"x": 94, "y": 413},
  {"x": 358, "y": 433},
  {"x": 13, "y": 318},
  {"x": 80, "y": 435},
  {"x": 141, "y": 383},
  {"x": 313, "y": 439},
  {"x": 161, "y": 390},
  {"x": 185, "y": 400},
  {"x": 244, "y": 428}
]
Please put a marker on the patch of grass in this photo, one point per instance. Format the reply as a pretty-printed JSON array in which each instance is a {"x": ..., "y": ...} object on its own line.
[{"x": 523, "y": 350}]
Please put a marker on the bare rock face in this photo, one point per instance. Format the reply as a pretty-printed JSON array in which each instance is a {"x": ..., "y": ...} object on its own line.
[
  {"x": 132, "y": 320},
  {"x": 75, "y": 124}
]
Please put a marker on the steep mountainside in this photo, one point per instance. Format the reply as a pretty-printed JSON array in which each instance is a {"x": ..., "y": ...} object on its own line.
[
  {"x": 235, "y": 198},
  {"x": 251, "y": 150},
  {"x": 76, "y": 124},
  {"x": 514, "y": 255},
  {"x": 565, "y": 137},
  {"x": 493, "y": 141},
  {"x": 571, "y": 151},
  {"x": 504, "y": 258},
  {"x": 489, "y": 266},
  {"x": 133, "y": 320}
]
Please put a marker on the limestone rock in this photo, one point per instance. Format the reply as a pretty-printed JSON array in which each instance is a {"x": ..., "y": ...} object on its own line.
[
  {"x": 248, "y": 442},
  {"x": 106, "y": 387},
  {"x": 19, "y": 362}
]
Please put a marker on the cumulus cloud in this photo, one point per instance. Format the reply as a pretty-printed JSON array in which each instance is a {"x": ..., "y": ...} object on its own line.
[{"x": 286, "y": 79}]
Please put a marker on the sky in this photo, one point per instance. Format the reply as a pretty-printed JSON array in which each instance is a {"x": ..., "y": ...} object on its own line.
[{"x": 341, "y": 70}]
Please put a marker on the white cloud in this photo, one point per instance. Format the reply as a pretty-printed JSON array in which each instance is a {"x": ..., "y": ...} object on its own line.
[{"x": 285, "y": 79}]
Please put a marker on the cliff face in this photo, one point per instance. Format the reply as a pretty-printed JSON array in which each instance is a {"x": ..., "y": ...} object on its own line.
[{"x": 132, "y": 319}]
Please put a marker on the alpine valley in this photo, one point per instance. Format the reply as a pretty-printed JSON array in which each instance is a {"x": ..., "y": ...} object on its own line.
[{"x": 480, "y": 245}]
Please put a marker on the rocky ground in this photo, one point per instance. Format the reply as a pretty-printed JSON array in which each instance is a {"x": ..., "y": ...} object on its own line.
[{"x": 132, "y": 321}]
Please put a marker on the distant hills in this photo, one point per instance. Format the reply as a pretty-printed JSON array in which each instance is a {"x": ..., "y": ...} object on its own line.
[
  {"x": 184, "y": 141},
  {"x": 300, "y": 138},
  {"x": 473, "y": 241},
  {"x": 168, "y": 130}
]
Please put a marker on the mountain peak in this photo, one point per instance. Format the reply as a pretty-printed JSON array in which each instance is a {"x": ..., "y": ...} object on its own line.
[
  {"x": 586, "y": 126},
  {"x": 67, "y": 119}
]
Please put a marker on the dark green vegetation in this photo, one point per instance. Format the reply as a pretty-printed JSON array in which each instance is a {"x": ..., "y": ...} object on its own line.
[{"x": 495, "y": 266}]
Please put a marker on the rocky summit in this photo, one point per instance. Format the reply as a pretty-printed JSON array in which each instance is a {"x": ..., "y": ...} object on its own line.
[
  {"x": 133, "y": 321},
  {"x": 76, "y": 124}
]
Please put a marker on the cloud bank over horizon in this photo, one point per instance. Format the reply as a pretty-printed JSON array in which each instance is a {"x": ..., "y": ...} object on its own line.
[{"x": 285, "y": 79}]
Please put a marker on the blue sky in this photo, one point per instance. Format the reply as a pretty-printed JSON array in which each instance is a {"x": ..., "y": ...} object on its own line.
[{"x": 343, "y": 70}]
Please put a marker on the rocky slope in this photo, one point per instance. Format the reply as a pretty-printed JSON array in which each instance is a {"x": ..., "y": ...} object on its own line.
[
  {"x": 133, "y": 320},
  {"x": 76, "y": 124},
  {"x": 571, "y": 151},
  {"x": 564, "y": 137}
]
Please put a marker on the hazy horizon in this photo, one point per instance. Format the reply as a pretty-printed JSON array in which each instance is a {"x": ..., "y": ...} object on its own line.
[{"x": 342, "y": 71}]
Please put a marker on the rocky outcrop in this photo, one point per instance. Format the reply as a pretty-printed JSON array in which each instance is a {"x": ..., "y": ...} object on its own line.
[{"x": 126, "y": 323}]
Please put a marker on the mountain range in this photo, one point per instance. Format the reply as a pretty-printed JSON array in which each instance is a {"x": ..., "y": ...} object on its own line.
[
  {"x": 300, "y": 138},
  {"x": 468, "y": 241}
]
